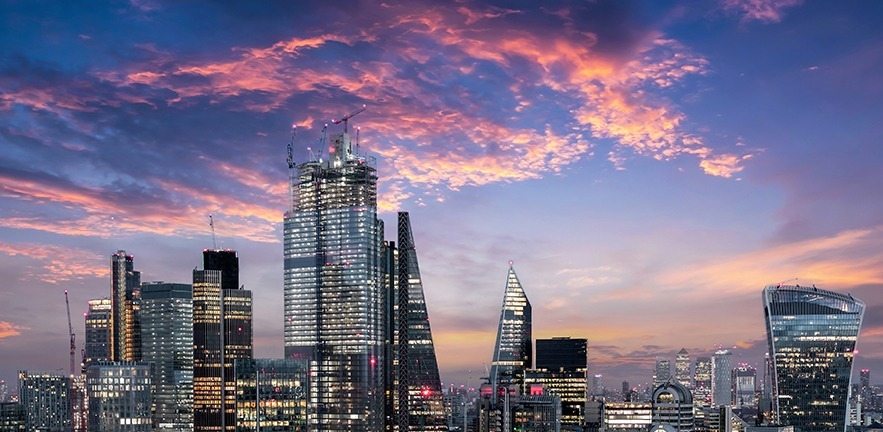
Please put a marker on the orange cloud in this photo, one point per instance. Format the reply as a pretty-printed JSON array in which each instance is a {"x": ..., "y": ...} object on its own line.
[
  {"x": 8, "y": 329},
  {"x": 56, "y": 264}
]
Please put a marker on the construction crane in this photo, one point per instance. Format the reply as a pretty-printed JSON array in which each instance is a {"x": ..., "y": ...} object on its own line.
[
  {"x": 290, "y": 147},
  {"x": 211, "y": 224},
  {"x": 70, "y": 329},
  {"x": 345, "y": 120}
]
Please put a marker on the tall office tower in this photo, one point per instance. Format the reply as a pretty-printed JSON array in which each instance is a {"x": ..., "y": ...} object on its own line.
[
  {"x": 45, "y": 398},
  {"x": 682, "y": 369},
  {"x": 389, "y": 271},
  {"x": 334, "y": 308},
  {"x": 561, "y": 370},
  {"x": 626, "y": 392},
  {"x": 672, "y": 404},
  {"x": 98, "y": 331},
  {"x": 812, "y": 335},
  {"x": 418, "y": 367},
  {"x": 119, "y": 396},
  {"x": 721, "y": 378},
  {"x": 4, "y": 391},
  {"x": 125, "y": 297},
  {"x": 271, "y": 395},
  {"x": 767, "y": 377},
  {"x": 598, "y": 387},
  {"x": 744, "y": 386},
  {"x": 702, "y": 381},
  {"x": 513, "y": 349},
  {"x": 167, "y": 342},
  {"x": 865, "y": 390},
  {"x": 222, "y": 333},
  {"x": 662, "y": 373}
]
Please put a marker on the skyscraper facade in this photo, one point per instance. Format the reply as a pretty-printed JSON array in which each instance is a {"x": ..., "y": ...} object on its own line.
[
  {"x": 119, "y": 395},
  {"x": 513, "y": 350},
  {"x": 672, "y": 404},
  {"x": 721, "y": 378},
  {"x": 812, "y": 335},
  {"x": 222, "y": 333},
  {"x": 662, "y": 373},
  {"x": 682, "y": 369},
  {"x": 333, "y": 302},
  {"x": 702, "y": 381},
  {"x": 125, "y": 297},
  {"x": 271, "y": 395},
  {"x": 167, "y": 342},
  {"x": 744, "y": 386},
  {"x": 98, "y": 331},
  {"x": 561, "y": 369},
  {"x": 45, "y": 398}
]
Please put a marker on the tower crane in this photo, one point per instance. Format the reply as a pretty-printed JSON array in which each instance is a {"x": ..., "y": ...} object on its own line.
[
  {"x": 70, "y": 329},
  {"x": 345, "y": 120},
  {"x": 211, "y": 224}
]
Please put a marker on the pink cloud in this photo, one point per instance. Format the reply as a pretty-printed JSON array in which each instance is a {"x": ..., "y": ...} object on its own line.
[
  {"x": 56, "y": 264},
  {"x": 8, "y": 329}
]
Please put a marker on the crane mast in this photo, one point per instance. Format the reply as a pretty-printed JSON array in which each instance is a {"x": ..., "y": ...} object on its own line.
[
  {"x": 211, "y": 224},
  {"x": 345, "y": 120},
  {"x": 70, "y": 329}
]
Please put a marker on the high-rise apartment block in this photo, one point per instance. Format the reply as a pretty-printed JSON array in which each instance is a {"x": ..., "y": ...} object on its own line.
[
  {"x": 222, "y": 333},
  {"x": 119, "y": 395},
  {"x": 812, "y": 335},
  {"x": 333, "y": 302},
  {"x": 125, "y": 292},
  {"x": 721, "y": 378},
  {"x": 99, "y": 332},
  {"x": 167, "y": 343},
  {"x": 683, "y": 373},
  {"x": 513, "y": 350},
  {"x": 46, "y": 400}
]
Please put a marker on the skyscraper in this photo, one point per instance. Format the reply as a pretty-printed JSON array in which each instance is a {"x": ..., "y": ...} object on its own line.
[
  {"x": 513, "y": 348},
  {"x": 744, "y": 386},
  {"x": 119, "y": 396},
  {"x": 561, "y": 370},
  {"x": 682, "y": 369},
  {"x": 98, "y": 331},
  {"x": 812, "y": 335},
  {"x": 420, "y": 372},
  {"x": 45, "y": 398},
  {"x": 662, "y": 373},
  {"x": 334, "y": 304},
  {"x": 167, "y": 342},
  {"x": 702, "y": 381},
  {"x": 672, "y": 404},
  {"x": 271, "y": 395},
  {"x": 721, "y": 378},
  {"x": 125, "y": 297},
  {"x": 222, "y": 333}
]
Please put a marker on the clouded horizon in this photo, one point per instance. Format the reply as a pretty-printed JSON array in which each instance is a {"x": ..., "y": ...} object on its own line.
[{"x": 648, "y": 167}]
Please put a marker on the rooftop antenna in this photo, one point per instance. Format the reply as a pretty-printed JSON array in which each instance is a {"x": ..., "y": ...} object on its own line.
[
  {"x": 211, "y": 223},
  {"x": 345, "y": 120}
]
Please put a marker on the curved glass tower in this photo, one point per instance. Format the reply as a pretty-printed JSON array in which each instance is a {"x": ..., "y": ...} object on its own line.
[{"x": 812, "y": 335}]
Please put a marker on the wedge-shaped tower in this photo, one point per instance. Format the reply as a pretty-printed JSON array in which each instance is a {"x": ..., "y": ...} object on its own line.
[
  {"x": 419, "y": 368},
  {"x": 812, "y": 334},
  {"x": 513, "y": 350}
]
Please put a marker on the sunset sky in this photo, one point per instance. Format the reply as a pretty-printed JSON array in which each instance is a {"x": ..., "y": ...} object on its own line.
[{"x": 648, "y": 166}]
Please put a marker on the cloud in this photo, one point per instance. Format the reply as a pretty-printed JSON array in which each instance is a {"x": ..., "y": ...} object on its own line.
[
  {"x": 56, "y": 264},
  {"x": 8, "y": 329},
  {"x": 766, "y": 11}
]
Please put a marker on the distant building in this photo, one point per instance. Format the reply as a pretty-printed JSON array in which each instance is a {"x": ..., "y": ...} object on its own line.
[
  {"x": 119, "y": 395},
  {"x": 744, "y": 386},
  {"x": 627, "y": 416},
  {"x": 513, "y": 350},
  {"x": 662, "y": 372},
  {"x": 125, "y": 297},
  {"x": 682, "y": 369},
  {"x": 271, "y": 395},
  {"x": 672, "y": 404},
  {"x": 561, "y": 370},
  {"x": 12, "y": 417},
  {"x": 626, "y": 392},
  {"x": 167, "y": 342},
  {"x": 98, "y": 331},
  {"x": 722, "y": 378},
  {"x": 222, "y": 333},
  {"x": 598, "y": 387},
  {"x": 702, "y": 382},
  {"x": 45, "y": 398},
  {"x": 812, "y": 335},
  {"x": 507, "y": 409}
]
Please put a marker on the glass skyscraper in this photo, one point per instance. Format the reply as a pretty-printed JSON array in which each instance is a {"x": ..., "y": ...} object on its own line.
[
  {"x": 271, "y": 395},
  {"x": 513, "y": 350},
  {"x": 721, "y": 378},
  {"x": 125, "y": 298},
  {"x": 334, "y": 306},
  {"x": 561, "y": 369},
  {"x": 119, "y": 396},
  {"x": 682, "y": 369},
  {"x": 702, "y": 381},
  {"x": 98, "y": 331},
  {"x": 812, "y": 335},
  {"x": 167, "y": 342},
  {"x": 222, "y": 333}
]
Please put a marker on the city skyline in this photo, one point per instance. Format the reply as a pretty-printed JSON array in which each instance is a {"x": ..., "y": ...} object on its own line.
[{"x": 627, "y": 157}]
